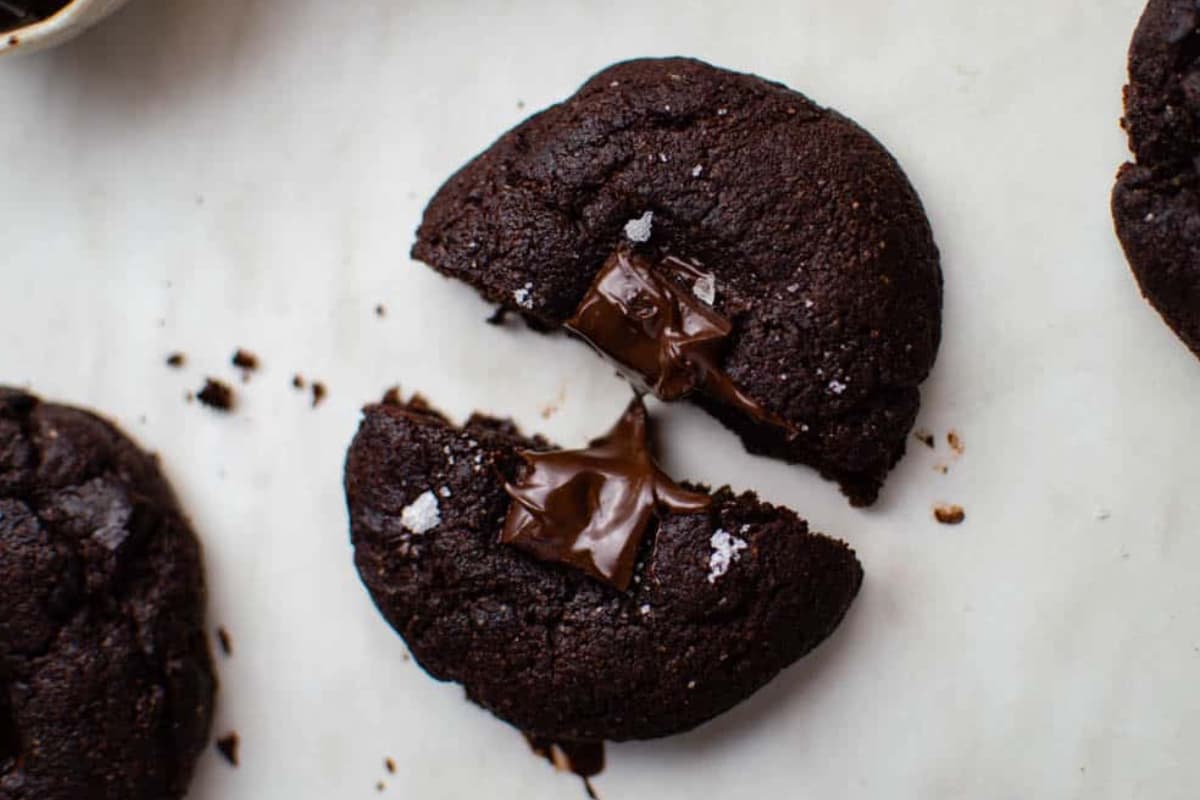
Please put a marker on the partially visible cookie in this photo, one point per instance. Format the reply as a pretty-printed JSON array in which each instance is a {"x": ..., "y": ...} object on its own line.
[
  {"x": 724, "y": 592},
  {"x": 106, "y": 683},
  {"x": 787, "y": 233},
  {"x": 1156, "y": 202}
]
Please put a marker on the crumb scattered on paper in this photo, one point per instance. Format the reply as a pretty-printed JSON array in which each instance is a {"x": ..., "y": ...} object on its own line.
[
  {"x": 216, "y": 395},
  {"x": 225, "y": 641},
  {"x": 227, "y": 746},
  {"x": 949, "y": 514}
]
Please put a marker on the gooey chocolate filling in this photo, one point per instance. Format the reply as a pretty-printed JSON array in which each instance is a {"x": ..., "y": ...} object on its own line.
[
  {"x": 590, "y": 508},
  {"x": 637, "y": 314}
]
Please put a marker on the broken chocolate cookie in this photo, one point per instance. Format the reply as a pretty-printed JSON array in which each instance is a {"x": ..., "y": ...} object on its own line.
[
  {"x": 722, "y": 591},
  {"x": 721, "y": 238}
]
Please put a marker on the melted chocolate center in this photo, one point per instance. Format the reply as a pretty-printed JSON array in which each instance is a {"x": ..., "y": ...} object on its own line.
[
  {"x": 590, "y": 508},
  {"x": 671, "y": 341}
]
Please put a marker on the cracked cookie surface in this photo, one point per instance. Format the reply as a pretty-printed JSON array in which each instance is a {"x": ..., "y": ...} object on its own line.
[
  {"x": 106, "y": 683},
  {"x": 1156, "y": 201}
]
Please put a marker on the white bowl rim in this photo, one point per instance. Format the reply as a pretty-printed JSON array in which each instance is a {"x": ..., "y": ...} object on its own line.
[{"x": 56, "y": 23}]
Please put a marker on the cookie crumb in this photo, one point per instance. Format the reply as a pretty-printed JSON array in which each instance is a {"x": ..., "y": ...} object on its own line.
[
  {"x": 176, "y": 360},
  {"x": 640, "y": 229},
  {"x": 216, "y": 395},
  {"x": 956, "y": 443},
  {"x": 925, "y": 437},
  {"x": 380, "y": 311},
  {"x": 244, "y": 359},
  {"x": 949, "y": 514},
  {"x": 225, "y": 641},
  {"x": 380, "y": 786},
  {"x": 390, "y": 766},
  {"x": 227, "y": 746},
  {"x": 726, "y": 549},
  {"x": 298, "y": 381},
  {"x": 14, "y": 40},
  {"x": 318, "y": 393},
  {"x": 942, "y": 468},
  {"x": 422, "y": 515}
]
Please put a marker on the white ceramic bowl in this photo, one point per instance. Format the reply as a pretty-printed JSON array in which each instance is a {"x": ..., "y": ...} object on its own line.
[{"x": 70, "y": 21}]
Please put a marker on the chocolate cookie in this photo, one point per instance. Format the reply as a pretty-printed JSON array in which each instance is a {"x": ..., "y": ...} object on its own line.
[
  {"x": 721, "y": 592},
  {"x": 1156, "y": 202},
  {"x": 721, "y": 237},
  {"x": 106, "y": 685}
]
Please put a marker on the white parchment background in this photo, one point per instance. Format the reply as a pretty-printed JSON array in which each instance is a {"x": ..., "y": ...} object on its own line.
[{"x": 204, "y": 174}]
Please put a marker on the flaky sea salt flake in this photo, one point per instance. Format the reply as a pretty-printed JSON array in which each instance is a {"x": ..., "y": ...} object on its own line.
[
  {"x": 638, "y": 230},
  {"x": 726, "y": 549},
  {"x": 422, "y": 515}
]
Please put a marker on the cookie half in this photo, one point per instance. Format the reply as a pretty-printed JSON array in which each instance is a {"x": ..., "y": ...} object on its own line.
[
  {"x": 106, "y": 683},
  {"x": 1156, "y": 201},
  {"x": 720, "y": 598},
  {"x": 796, "y": 232}
]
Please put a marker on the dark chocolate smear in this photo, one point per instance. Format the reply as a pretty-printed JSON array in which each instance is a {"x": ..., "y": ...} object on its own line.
[
  {"x": 638, "y": 315},
  {"x": 590, "y": 508}
]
